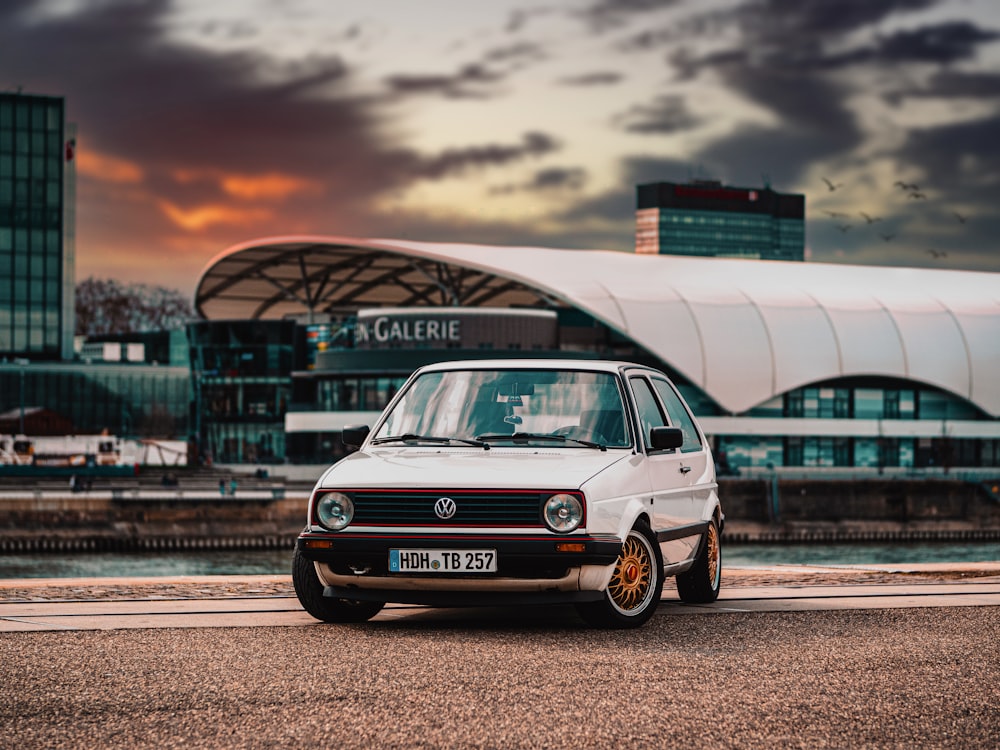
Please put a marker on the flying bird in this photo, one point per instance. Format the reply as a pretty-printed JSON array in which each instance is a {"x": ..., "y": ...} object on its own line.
[
  {"x": 869, "y": 219},
  {"x": 835, "y": 215},
  {"x": 886, "y": 237},
  {"x": 961, "y": 219},
  {"x": 906, "y": 185},
  {"x": 831, "y": 186},
  {"x": 916, "y": 195},
  {"x": 937, "y": 253},
  {"x": 844, "y": 227}
]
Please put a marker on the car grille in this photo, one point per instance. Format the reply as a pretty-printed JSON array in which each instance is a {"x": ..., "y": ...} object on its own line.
[{"x": 473, "y": 508}]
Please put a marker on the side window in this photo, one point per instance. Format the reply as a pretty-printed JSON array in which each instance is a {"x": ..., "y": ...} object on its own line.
[
  {"x": 649, "y": 409},
  {"x": 679, "y": 416}
]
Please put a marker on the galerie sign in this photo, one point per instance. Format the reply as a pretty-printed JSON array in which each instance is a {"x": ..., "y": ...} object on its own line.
[{"x": 386, "y": 330}]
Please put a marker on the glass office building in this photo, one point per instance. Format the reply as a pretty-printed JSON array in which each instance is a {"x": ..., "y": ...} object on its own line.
[
  {"x": 136, "y": 400},
  {"x": 241, "y": 374},
  {"x": 706, "y": 218},
  {"x": 36, "y": 261}
]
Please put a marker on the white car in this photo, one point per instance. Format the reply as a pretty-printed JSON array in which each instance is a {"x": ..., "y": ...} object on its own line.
[{"x": 513, "y": 482}]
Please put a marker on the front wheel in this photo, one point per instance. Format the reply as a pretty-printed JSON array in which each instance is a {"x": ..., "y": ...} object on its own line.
[
  {"x": 309, "y": 590},
  {"x": 700, "y": 584},
  {"x": 635, "y": 587}
]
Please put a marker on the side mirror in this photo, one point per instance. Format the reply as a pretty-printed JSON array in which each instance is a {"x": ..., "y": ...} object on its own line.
[
  {"x": 665, "y": 438},
  {"x": 354, "y": 435}
]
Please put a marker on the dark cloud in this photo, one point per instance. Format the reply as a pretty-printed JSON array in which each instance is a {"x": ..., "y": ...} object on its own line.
[
  {"x": 471, "y": 82},
  {"x": 611, "y": 14},
  {"x": 238, "y": 30},
  {"x": 950, "y": 84},
  {"x": 668, "y": 113},
  {"x": 457, "y": 161},
  {"x": 476, "y": 80},
  {"x": 814, "y": 119},
  {"x": 597, "y": 78},
  {"x": 190, "y": 119},
  {"x": 520, "y": 52},
  {"x": 943, "y": 43},
  {"x": 545, "y": 180},
  {"x": 791, "y": 22},
  {"x": 648, "y": 39},
  {"x": 962, "y": 159},
  {"x": 141, "y": 98},
  {"x": 786, "y": 61},
  {"x": 618, "y": 205}
]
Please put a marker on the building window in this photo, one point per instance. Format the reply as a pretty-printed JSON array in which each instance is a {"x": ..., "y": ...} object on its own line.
[{"x": 794, "y": 404}]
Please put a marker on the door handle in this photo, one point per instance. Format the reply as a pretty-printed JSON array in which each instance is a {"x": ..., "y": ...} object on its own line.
[{"x": 685, "y": 469}]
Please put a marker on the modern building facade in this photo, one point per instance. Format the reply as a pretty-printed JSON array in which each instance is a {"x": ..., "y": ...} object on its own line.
[
  {"x": 138, "y": 400},
  {"x": 37, "y": 274},
  {"x": 708, "y": 219},
  {"x": 241, "y": 378},
  {"x": 785, "y": 364}
]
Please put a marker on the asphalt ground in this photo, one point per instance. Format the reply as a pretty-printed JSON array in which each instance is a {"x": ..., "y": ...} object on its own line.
[{"x": 530, "y": 678}]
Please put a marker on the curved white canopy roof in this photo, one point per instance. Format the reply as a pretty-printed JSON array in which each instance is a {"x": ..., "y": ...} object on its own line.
[{"x": 742, "y": 330}]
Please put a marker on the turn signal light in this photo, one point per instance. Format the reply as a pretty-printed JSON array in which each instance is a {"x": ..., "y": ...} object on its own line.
[
  {"x": 318, "y": 543},
  {"x": 571, "y": 547}
]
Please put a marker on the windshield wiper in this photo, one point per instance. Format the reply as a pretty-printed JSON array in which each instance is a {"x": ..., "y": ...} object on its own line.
[
  {"x": 411, "y": 437},
  {"x": 521, "y": 437}
]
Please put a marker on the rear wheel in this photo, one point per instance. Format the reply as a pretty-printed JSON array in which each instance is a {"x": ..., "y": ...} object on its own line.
[
  {"x": 309, "y": 590},
  {"x": 700, "y": 584},
  {"x": 636, "y": 585}
]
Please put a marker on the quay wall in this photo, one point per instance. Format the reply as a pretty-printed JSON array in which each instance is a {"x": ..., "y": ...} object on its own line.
[{"x": 757, "y": 510}]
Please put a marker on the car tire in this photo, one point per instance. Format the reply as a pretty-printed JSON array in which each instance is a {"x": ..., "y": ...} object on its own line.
[
  {"x": 700, "y": 584},
  {"x": 309, "y": 590},
  {"x": 636, "y": 585}
]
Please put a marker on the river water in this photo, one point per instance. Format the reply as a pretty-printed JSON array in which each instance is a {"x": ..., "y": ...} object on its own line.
[{"x": 278, "y": 562}]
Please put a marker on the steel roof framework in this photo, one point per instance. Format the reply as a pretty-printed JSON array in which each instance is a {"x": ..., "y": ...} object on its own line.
[{"x": 301, "y": 278}]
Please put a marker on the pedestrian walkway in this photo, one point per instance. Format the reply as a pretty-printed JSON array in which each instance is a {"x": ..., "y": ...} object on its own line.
[{"x": 267, "y": 601}]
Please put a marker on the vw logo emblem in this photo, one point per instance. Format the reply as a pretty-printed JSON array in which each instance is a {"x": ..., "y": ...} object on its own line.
[{"x": 445, "y": 508}]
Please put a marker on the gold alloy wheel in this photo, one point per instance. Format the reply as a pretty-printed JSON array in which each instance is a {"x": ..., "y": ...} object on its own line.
[
  {"x": 712, "y": 553},
  {"x": 633, "y": 576}
]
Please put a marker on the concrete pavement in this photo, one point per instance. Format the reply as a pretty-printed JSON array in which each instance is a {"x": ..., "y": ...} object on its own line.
[{"x": 265, "y": 601}]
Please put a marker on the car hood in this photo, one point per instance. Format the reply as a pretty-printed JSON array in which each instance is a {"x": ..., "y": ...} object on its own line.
[{"x": 517, "y": 468}]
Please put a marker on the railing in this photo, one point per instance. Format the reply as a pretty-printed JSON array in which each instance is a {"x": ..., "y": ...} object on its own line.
[{"x": 138, "y": 495}]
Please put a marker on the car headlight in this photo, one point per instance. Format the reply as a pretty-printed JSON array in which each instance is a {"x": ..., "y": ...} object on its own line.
[
  {"x": 563, "y": 513},
  {"x": 334, "y": 510}
]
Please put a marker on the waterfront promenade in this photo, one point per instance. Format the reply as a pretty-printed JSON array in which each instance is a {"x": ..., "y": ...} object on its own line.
[{"x": 905, "y": 656}]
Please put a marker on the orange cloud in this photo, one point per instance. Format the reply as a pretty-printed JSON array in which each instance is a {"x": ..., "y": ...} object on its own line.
[
  {"x": 201, "y": 217},
  {"x": 268, "y": 186},
  {"x": 107, "y": 168}
]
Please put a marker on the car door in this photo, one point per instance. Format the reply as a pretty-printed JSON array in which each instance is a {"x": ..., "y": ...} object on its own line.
[
  {"x": 674, "y": 516},
  {"x": 697, "y": 464}
]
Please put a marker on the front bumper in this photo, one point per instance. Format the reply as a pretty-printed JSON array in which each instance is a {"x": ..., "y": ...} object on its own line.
[{"x": 529, "y": 567}]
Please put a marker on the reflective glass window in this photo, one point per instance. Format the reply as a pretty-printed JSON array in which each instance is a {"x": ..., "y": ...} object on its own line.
[
  {"x": 650, "y": 415},
  {"x": 679, "y": 416}
]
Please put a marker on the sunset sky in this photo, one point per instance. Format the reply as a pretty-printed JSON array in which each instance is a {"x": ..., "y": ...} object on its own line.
[{"x": 202, "y": 124}]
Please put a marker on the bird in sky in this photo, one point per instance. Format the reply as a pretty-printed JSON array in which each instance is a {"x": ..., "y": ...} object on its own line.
[
  {"x": 835, "y": 214},
  {"x": 869, "y": 219},
  {"x": 937, "y": 253},
  {"x": 961, "y": 219},
  {"x": 886, "y": 237},
  {"x": 844, "y": 227},
  {"x": 906, "y": 185},
  {"x": 917, "y": 196},
  {"x": 832, "y": 186}
]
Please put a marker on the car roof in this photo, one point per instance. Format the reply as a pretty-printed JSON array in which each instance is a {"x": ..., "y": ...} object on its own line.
[{"x": 585, "y": 365}]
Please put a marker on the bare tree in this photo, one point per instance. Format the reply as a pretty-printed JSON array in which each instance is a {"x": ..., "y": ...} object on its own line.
[{"x": 107, "y": 306}]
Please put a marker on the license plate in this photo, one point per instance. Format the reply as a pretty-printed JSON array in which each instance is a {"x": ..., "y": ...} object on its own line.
[{"x": 442, "y": 561}]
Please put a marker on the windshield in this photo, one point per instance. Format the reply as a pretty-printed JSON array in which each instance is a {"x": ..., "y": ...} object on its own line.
[{"x": 516, "y": 405}]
